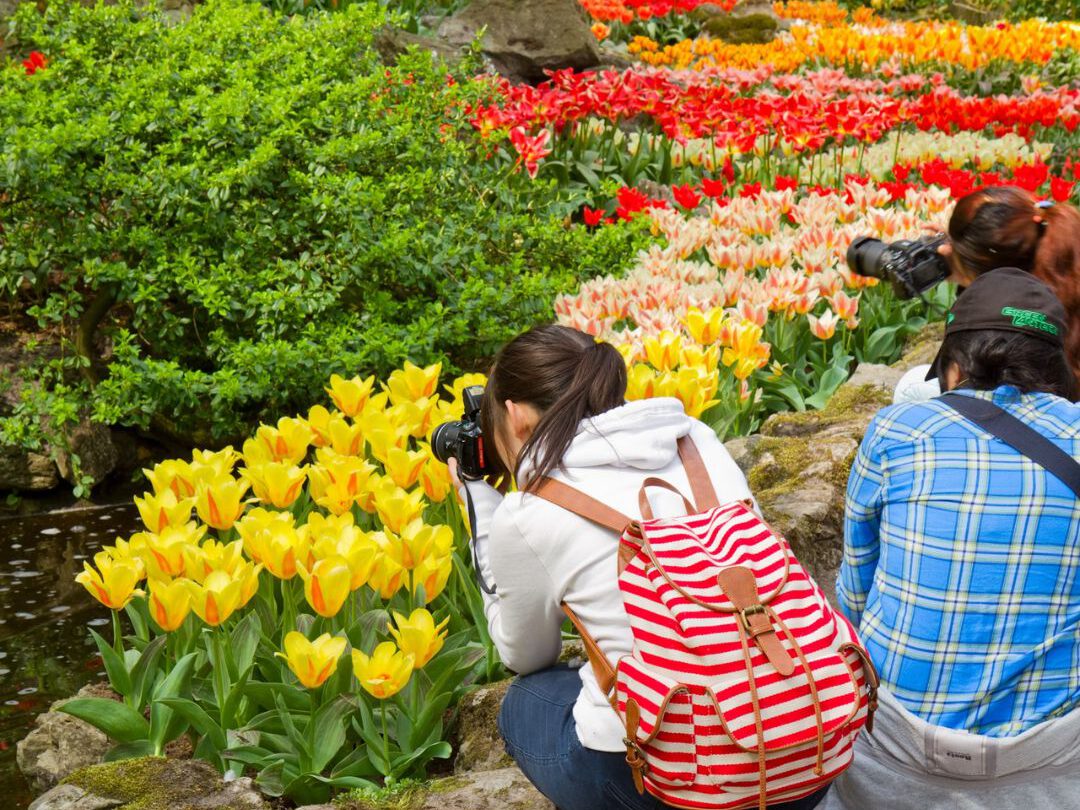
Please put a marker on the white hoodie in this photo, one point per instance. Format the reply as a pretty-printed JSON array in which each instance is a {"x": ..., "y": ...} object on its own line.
[{"x": 539, "y": 555}]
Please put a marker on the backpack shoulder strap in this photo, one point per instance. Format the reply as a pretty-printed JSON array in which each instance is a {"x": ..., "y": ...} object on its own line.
[
  {"x": 1016, "y": 434},
  {"x": 701, "y": 486},
  {"x": 576, "y": 501}
]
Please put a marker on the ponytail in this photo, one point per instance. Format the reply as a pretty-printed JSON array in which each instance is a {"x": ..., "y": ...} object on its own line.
[
  {"x": 1004, "y": 227},
  {"x": 563, "y": 373}
]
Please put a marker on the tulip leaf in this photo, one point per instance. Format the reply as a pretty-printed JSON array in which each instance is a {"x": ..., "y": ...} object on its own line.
[
  {"x": 346, "y": 781},
  {"x": 115, "y": 669},
  {"x": 250, "y": 755},
  {"x": 200, "y": 721},
  {"x": 118, "y": 720},
  {"x": 299, "y": 741},
  {"x": 131, "y": 750},
  {"x": 270, "y": 781},
  {"x": 165, "y": 724},
  {"x": 245, "y": 641},
  {"x": 326, "y": 732},
  {"x": 264, "y": 693},
  {"x": 356, "y": 763},
  {"x": 832, "y": 379},
  {"x": 419, "y": 757},
  {"x": 430, "y": 718},
  {"x": 145, "y": 671},
  {"x": 136, "y": 612},
  {"x": 235, "y": 697}
]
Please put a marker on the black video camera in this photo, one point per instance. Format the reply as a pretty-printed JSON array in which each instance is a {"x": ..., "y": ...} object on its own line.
[
  {"x": 912, "y": 267},
  {"x": 463, "y": 440}
]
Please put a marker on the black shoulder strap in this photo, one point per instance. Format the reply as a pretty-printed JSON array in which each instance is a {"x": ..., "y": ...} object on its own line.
[{"x": 1015, "y": 433}]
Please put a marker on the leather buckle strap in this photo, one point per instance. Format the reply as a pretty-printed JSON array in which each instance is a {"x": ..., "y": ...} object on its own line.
[
  {"x": 635, "y": 756},
  {"x": 740, "y": 587}
]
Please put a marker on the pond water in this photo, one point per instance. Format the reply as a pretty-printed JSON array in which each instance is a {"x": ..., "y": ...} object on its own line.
[{"x": 45, "y": 650}]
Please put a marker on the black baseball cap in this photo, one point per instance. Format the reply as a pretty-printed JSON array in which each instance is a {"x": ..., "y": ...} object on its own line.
[{"x": 1006, "y": 300}]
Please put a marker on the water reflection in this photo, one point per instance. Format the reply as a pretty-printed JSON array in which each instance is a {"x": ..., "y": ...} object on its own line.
[{"x": 45, "y": 651}]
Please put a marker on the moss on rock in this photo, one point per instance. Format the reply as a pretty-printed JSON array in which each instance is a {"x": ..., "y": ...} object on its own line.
[
  {"x": 748, "y": 29},
  {"x": 156, "y": 783}
]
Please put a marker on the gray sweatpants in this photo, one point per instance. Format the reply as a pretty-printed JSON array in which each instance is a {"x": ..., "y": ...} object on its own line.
[{"x": 908, "y": 764}]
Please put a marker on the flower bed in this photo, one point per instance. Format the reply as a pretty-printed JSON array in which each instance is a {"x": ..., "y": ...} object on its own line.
[{"x": 751, "y": 174}]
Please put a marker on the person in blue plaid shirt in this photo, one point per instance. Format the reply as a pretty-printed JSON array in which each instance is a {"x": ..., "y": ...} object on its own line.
[{"x": 961, "y": 572}]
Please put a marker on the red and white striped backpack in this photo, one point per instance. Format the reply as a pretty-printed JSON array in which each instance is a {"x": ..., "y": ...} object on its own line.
[{"x": 745, "y": 687}]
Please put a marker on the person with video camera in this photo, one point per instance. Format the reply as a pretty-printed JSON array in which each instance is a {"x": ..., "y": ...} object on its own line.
[
  {"x": 990, "y": 228},
  {"x": 961, "y": 567},
  {"x": 554, "y": 410}
]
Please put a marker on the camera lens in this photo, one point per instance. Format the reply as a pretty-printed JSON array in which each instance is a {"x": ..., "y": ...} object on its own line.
[
  {"x": 865, "y": 257},
  {"x": 445, "y": 440}
]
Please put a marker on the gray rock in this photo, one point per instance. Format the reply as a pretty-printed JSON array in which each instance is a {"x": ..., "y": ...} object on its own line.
[
  {"x": 503, "y": 789},
  {"x": 23, "y": 471},
  {"x": 152, "y": 783},
  {"x": 392, "y": 42},
  {"x": 93, "y": 445},
  {"x": 57, "y": 746},
  {"x": 70, "y": 797},
  {"x": 474, "y": 733},
  {"x": 883, "y": 377},
  {"x": 525, "y": 39}
]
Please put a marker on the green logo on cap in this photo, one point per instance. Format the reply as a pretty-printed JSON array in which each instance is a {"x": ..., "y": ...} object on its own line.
[
  {"x": 1030, "y": 319},
  {"x": 951, "y": 318}
]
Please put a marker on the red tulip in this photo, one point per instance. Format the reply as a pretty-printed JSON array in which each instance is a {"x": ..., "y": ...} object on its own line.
[
  {"x": 35, "y": 62},
  {"x": 1060, "y": 188},
  {"x": 592, "y": 216},
  {"x": 686, "y": 196}
]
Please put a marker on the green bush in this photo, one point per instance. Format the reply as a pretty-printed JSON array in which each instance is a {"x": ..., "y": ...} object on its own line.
[{"x": 252, "y": 203}]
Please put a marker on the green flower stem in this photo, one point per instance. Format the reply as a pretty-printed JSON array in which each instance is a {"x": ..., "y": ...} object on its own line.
[
  {"x": 118, "y": 635},
  {"x": 386, "y": 744}
]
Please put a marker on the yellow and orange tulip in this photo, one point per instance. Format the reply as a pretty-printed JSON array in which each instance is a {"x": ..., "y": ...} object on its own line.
[
  {"x": 312, "y": 662},
  {"x": 385, "y": 672}
]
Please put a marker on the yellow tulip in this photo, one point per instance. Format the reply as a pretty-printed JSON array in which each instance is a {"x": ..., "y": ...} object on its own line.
[
  {"x": 220, "y": 501},
  {"x": 385, "y": 672},
  {"x": 382, "y": 433},
  {"x": 420, "y": 541},
  {"x": 396, "y": 507},
  {"x": 336, "y": 499},
  {"x": 418, "y": 635},
  {"x": 704, "y": 327},
  {"x": 159, "y": 510},
  {"x": 434, "y": 478},
  {"x": 288, "y": 441},
  {"x": 169, "y": 603},
  {"x": 640, "y": 382},
  {"x": 663, "y": 350},
  {"x": 276, "y": 483},
  {"x": 350, "y": 396},
  {"x": 253, "y": 529},
  {"x": 220, "y": 463},
  {"x": 351, "y": 472},
  {"x": 404, "y": 466},
  {"x": 165, "y": 549},
  {"x": 346, "y": 439},
  {"x": 173, "y": 474},
  {"x": 312, "y": 662},
  {"x": 411, "y": 382},
  {"x": 695, "y": 390},
  {"x": 432, "y": 574},
  {"x": 216, "y": 598},
  {"x": 199, "y": 561},
  {"x": 282, "y": 548},
  {"x": 417, "y": 417},
  {"x": 112, "y": 583},
  {"x": 333, "y": 537},
  {"x": 327, "y": 585},
  {"x": 248, "y": 577},
  {"x": 666, "y": 384},
  {"x": 706, "y": 359},
  {"x": 319, "y": 419},
  {"x": 389, "y": 572},
  {"x": 132, "y": 550}
]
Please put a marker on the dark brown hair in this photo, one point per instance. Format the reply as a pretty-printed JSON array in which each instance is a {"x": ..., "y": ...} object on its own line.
[
  {"x": 988, "y": 358},
  {"x": 566, "y": 375},
  {"x": 1003, "y": 227}
]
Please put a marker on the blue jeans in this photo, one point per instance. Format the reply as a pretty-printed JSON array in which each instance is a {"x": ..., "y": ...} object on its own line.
[{"x": 537, "y": 724}]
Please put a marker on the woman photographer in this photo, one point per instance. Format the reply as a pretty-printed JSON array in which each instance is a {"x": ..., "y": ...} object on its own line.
[
  {"x": 555, "y": 406},
  {"x": 1006, "y": 227},
  {"x": 961, "y": 568}
]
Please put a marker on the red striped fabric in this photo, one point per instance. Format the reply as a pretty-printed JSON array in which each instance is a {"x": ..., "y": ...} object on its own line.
[{"x": 691, "y": 679}]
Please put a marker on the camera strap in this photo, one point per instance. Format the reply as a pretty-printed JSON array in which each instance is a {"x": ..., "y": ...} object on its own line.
[
  {"x": 1002, "y": 424},
  {"x": 488, "y": 589}
]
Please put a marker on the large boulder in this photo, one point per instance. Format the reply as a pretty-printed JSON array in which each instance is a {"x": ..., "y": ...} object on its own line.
[
  {"x": 151, "y": 783},
  {"x": 524, "y": 39},
  {"x": 92, "y": 443},
  {"x": 474, "y": 732},
  {"x": 24, "y": 471},
  {"x": 58, "y": 745}
]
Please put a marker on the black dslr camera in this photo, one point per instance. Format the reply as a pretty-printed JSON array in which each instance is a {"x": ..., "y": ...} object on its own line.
[
  {"x": 911, "y": 267},
  {"x": 463, "y": 440}
]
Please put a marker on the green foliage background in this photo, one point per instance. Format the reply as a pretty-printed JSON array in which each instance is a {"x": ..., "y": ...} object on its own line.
[{"x": 263, "y": 204}]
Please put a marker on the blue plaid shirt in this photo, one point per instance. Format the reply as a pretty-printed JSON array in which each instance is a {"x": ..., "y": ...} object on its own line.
[{"x": 962, "y": 565}]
